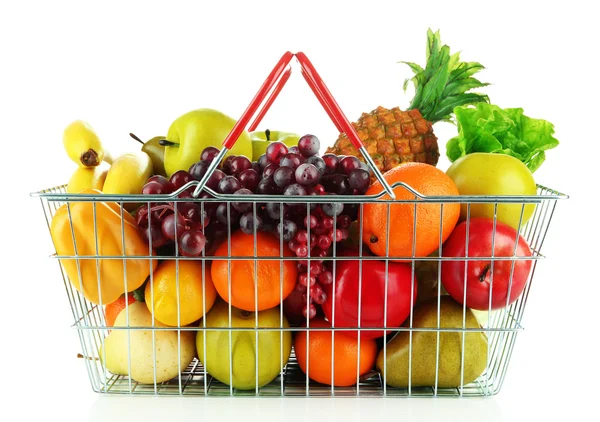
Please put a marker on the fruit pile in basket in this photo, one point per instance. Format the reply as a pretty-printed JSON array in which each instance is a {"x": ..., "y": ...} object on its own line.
[{"x": 348, "y": 262}]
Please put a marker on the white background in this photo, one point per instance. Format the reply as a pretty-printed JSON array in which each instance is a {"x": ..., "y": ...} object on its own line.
[{"x": 134, "y": 67}]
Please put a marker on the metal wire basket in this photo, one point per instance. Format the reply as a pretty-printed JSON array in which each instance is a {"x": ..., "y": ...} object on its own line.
[{"x": 499, "y": 326}]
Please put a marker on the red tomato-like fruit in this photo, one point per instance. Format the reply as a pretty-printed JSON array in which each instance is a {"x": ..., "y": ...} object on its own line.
[
  {"x": 399, "y": 304},
  {"x": 479, "y": 272}
]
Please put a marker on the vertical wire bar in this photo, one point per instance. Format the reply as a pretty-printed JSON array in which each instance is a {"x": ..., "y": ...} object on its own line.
[
  {"x": 204, "y": 312},
  {"x": 281, "y": 254},
  {"x": 465, "y": 292},
  {"x": 439, "y": 295},
  {"x": 95, "y": 218},
  {"x": 152, "y": 298},
  {"x": 333, "y": 304},
  {"x": 412, "y": 288},
  {"x": 126, "y": 301},
  {"x": 177, "y": 294},
  {"x": 255, "y": 299},
  {"x": 513, "y": 262},
  {"x": 385, "y": 295},
  {"x": 308, "y": 262},
  {"x": 229, "y": 296},
  {"x": 360, "y": 275}
]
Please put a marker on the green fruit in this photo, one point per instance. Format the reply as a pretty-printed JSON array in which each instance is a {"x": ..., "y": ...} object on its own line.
[
  {"x": 156, "y": 152},
  {"x": 483, "y": 173},
  {"x": 191, "y": 132},
  {"x": 262, "y": 139},
  {"x": 424, "y": 346},
  {"x": 218, "y": 353}
]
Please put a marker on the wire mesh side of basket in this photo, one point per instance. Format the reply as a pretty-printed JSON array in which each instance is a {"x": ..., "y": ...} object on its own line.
[{"x": 500, "y": 326}]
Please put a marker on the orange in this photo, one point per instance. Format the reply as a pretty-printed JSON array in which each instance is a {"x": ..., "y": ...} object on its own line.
[
  {"x": 242, "y": 272},
  {"x": 191, "y": 302},
  {"x": 426, "y": 179},
  {"x": 112, "y": 310},
  {"x": 345, "y": 354}
]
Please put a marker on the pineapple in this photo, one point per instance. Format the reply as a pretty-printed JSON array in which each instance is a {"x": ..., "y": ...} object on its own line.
[{"x": 393, "y": 136}]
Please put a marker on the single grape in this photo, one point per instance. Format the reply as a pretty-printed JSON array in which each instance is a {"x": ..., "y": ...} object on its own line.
[
  {"x": 302, "y": 236},
  {"x": 343, "y": 222},
  {"x": 327, "y": 223},
  {"x": 309, "y": 311},
  {"x": 192, "y": 242},
  {"x": 294, "y": 149},
  {"x": 269, "y": 170},
  {"x": 180, "y": 178},
  {"x": 239, "y": 164},
  {"x": 274, "y": 210},
  {"x": 266, "y": 187},
  {"x": 318, "y": 189},
  {"x": 228, "y": 185},
  {"x": 344, "y": 234},
  {"x": 301, "y": 288},
  {"x": 249, "y": 222},
  {"x": 242, "y": 206},
  {"x": 359, "y": 179},
  {"x": 291, "y": 160},
  {"x": 275, "y": 151},
  {"x": 293, "y": 245},
  {"x": 286, "y": 229},
  {"x": 195, "y": 214},
  {"x": 302, "y": 251},
  {"x": 309, "y": 145},
  {"x": 304, "y": 279},
  {"x": 153, "y": 188},
  {"x": 336, "y": 183},
  {"x": 321, "y": 253},
  {"x": 317, "y": 294},
  {"x": 214, "y": 179},
  {"x": 323, "y": 242},
  {"x": 163, "y": 181},
  {"x": 318, "y": 162},
  {"x": 331, "y": 163},
  {"x": 154, "y": 232},
  {"x": 198, "y": 170},
  {"x": 307, "y": 175},
  {"x": 310, "y": 220},
  {"x": 209, "y": 154},
  {"x": 141, "y": 216},
  {"x": 348, "y": 164},
  {"x": 170, "y": 229},
  {"x": 226, "y": 166},
  {"x": 249, "y": 179},
  {"x": 262, "y": 162},
  {"x": 325, "y": 278},
  {"x": 284, "y": 176},
  {"x": 316, "y": 268},
  {"x": 295, "y": 190},
  {"x": 222, "y": 214},
  {"x": 333, "y": 209}
]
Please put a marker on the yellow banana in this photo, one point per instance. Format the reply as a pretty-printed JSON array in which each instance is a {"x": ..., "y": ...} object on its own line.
[
  {"x": 128, "y": 175},
  {"x": 88, "y": 178},
  {"x": 82, "y": 144}
]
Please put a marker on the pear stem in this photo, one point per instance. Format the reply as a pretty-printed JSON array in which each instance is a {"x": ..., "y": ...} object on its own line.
[
  {"x": 268, "y": 134},
  {"x": 136, "y": 138},
  {"x": 166, "y": 143},
  {"x": 484, "y": 273}
]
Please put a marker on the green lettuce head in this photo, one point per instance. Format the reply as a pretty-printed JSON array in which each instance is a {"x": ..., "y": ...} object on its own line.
[{"x": 489, "y": 128}]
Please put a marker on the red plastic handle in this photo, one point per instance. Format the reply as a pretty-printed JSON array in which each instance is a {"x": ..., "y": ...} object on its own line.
[
  {"x": 327, "y": 100},
  {"x": 270, "y": 100},
  {"x": 241, "y": 124}
]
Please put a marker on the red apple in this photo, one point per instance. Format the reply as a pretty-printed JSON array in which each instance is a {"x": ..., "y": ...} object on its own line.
[{"x": 482, "y": 278}]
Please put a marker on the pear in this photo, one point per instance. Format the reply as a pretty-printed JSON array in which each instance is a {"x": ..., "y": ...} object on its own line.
[
  {"x": 156, "y": 152},
  {"x": 144, "y": 353},
  {"x": 424, "y": 348}
]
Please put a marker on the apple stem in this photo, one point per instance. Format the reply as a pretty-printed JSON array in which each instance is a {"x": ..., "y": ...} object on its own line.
[
  {"x": 268, "y": 135},
  {"x": 166, "y": 143},
  {"x": 484, "y": 273},
  {"x": 136, "y": 138}
]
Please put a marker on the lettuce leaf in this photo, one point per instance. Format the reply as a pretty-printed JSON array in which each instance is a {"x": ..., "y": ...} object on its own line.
[{"x": 489, "y": 128}]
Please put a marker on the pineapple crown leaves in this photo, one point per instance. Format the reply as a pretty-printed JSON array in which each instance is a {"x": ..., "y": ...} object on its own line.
[{"x": 444, "y": 82}]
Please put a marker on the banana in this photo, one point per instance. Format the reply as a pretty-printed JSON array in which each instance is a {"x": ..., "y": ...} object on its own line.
[
  {"x": 88, "y": 178},
  {"x": 128, "y": 175},
  {"x": 83, "y": 145}
]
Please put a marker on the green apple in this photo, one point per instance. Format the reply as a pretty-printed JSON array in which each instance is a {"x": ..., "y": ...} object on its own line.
[
  {"x": 191, "y": 132},
  {"x": 156, "y": 152},
  {"x": 261, "y": 140},
  {"x": 483, "y": 173},
  {"x": 274, "y": 347}
]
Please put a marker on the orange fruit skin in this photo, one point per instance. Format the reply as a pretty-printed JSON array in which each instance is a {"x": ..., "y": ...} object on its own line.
[
  {"x": 112, "y": 310},
  {"x": 345, "y": 351},
  {"x": 427, "y": 180},
  {"x": 243, "y": 272},
  {"x": 164, "y": 292}
]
